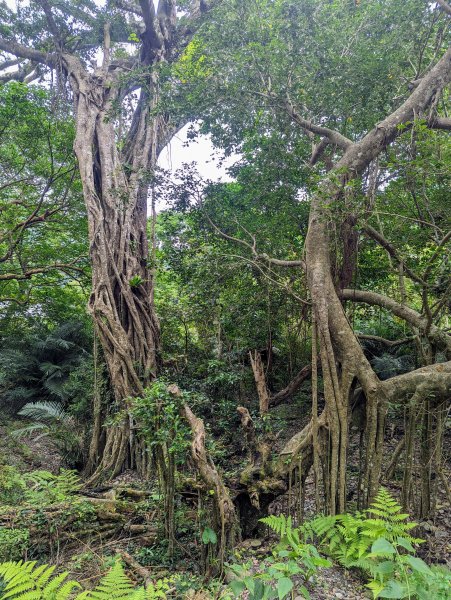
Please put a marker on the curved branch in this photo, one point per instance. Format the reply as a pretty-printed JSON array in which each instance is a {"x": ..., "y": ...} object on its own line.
[
  {"x": 50, "y": 21},
  {"x": 281, "y": 263},
  {"x": 292, "y": 387},
  {"x": 440, "y": 123},
  {"x": 319, "y": 150},
  {"x": 445, "y": 6},
  {"x": 210, "y": 476},
  {"x": 380, "y": 239},
  {"x": 16, "y": 49},
  {"x": 334, "y": 137},
  {"x": 437, "y": 251},
  {"x": 434, "y": 379},
  {"x": 381, "y": 340},
  {"x": 441, "y": 339},
  {"x": 252, "y": 247},
  {"x": 28, "y": 273}
]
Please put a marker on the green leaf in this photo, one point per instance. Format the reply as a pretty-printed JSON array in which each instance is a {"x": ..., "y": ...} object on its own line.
[
  {"x": 385, "y": 568},
  {"x": 375, "y": 587},
  {"x": 304, "y": 591},
  {"x": 393, "y": 589},
  {"x": 405, "y": 543},
  {"x": 284, "y": 586},
  {"x": 236, "y": 586},
  {"x": 417, "y": 564},
  {"x": 209, "y": 536},
  {"x": 382, "y": 547},
  {"x": 259, "y": 590}
]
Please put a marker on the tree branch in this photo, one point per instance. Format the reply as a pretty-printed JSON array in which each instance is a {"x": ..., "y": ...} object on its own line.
[
  {"x": 152, "y": 37},
  {"x": 379, "y": 238},
  {"x": 436, "y": 379},
  {"x": 252, "y": 247},
  {"x": 334, "y": 137},
  {"x": 291, "y": 388},
  {"x": 381, "y": 340},
  {"x": 445, "y": 6},
  {"x": 16, "y": 49},
  {"x": 440, "y": 123},
  {"x": 440, "y": 338},
  {"x": 28, "y": 273},
  {"x": 319, "y": 150},
  {"x": 51, "y": 22}
]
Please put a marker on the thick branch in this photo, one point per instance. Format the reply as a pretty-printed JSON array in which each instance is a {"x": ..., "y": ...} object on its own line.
[
  {"x": 445, "y": 6},
  {"x": 440, "y": 123},
  {"x": 208, "y": 471},
  {"x": 152, "y": 37},
  {"x": 50, "y": 20},
  {"x": 292, "y": 387},
  {"x": 334, "y": 137},
  {"x": 360, "y": 154},
  {"x": 434, "y": 379},
  {"x": 260, "y": 381},
  {"x": 441, "y": 339},
  {"x": 21, "y": 51},
  {"x": 281, "y": 263},
  {"x": 380, "y": 239},
  {"x": 318, "y": 151}
]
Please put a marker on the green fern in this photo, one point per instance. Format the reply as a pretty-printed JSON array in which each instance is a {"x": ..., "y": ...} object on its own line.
[
  {"x": 26, "y": 581},
  {"x": 115, "y": 585},
  {"x": 152, "y": 592},
  {"x": 320, "y": 526},
  {"x": 391, "y": 522},
  {"x": 280, "y": 524},
  {"x": 349, "y": 537}
]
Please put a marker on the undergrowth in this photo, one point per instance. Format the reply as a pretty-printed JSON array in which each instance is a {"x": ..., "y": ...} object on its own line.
[
  {"x": 377, "y": 541},
  {"x": 26, "y": 581}
]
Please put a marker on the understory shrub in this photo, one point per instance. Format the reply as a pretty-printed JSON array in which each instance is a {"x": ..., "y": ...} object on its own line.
[{"x": 377, "y": 541}]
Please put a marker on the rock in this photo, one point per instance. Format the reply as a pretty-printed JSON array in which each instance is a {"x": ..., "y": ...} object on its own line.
[{"x": 339, "y": 595}]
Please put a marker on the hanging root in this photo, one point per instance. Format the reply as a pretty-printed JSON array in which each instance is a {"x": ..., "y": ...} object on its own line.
[{"x": 224, "y": 507}]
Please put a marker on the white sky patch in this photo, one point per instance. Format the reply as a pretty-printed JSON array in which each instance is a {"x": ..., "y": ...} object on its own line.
[{"x": 209, "y": 161}]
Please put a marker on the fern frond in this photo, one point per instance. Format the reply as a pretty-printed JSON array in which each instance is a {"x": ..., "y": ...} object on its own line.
[
  {"x": 140, "y": 594},
  {"x": 44, "y": 411},
  {"x": 323, "y": 525},
  {"x": 26, "y": 581},
  {"x": 65, "y": 592},
  {"x": 280, "y": 524},
  {"x": 114, "y": 586}
]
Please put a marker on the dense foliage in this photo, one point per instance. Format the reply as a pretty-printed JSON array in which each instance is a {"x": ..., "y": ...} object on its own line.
[{"x": 266, "y": 352}]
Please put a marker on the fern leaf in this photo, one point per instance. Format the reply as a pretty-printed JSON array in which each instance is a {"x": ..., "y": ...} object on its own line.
[
  {"x": 65, "y": 592},
  {"x": 278, "y": 523},
  {"x": 141, "y": 594},
  {"x": 115, "y": 585},
  {"x": 26, "y": 581},
  {"x": 42, "y": 574}
]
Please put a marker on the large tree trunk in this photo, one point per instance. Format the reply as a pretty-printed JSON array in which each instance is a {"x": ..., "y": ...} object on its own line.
[
  {"x": 115, "y": 189},
  {"x": 342, "y": 357}
]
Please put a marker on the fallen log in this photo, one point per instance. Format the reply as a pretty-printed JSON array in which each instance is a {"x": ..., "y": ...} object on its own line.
[{"x": 83, "y": 520}]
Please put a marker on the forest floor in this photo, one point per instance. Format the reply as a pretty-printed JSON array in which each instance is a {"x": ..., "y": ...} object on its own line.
[{"x": 92, "y": 559}]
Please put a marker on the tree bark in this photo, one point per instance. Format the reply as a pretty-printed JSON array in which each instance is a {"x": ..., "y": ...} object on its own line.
[
  {"x": 116, "y": 202},
  {"x": 260, "y": 381},
  {"x": 342, "y": 358}
]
